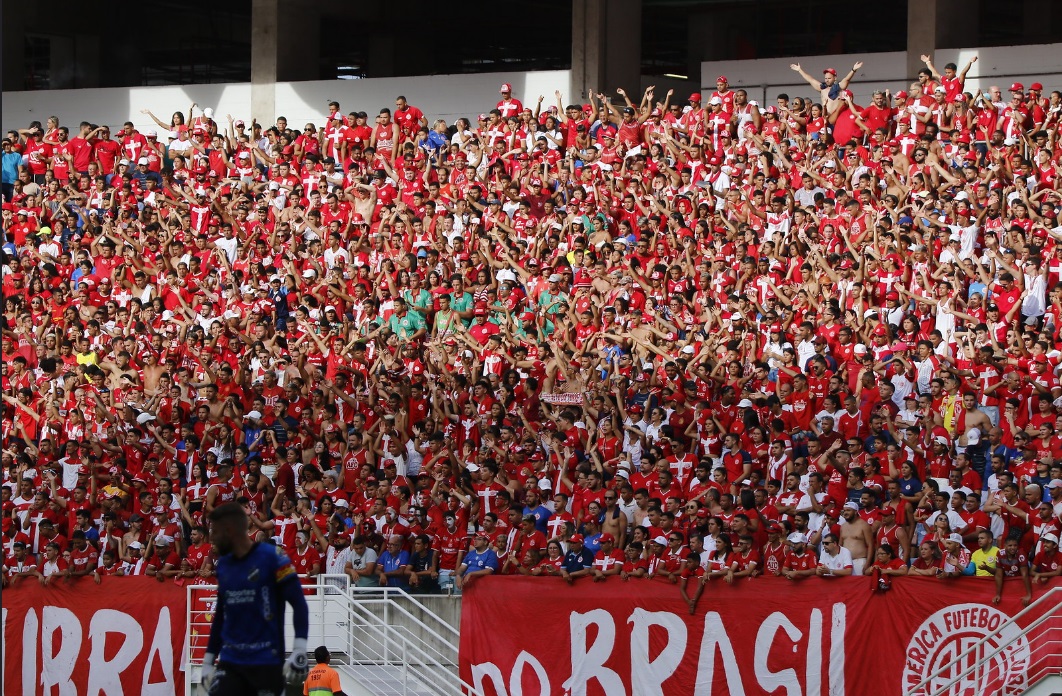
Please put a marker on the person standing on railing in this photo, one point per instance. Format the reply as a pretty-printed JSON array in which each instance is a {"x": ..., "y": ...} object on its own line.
[
  {"x": 255, "y": 581},
  {"x": 322, "y": 679}
]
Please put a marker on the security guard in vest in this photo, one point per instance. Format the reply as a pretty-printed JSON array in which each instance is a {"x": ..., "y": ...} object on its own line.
[{"x": 322, "y": 679}]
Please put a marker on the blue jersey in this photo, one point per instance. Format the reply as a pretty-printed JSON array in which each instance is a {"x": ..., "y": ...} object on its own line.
[
  {"x": 249, "y": 618},
  {"x": 480, "y": 561},
  {"x": 390, "y": 562}
]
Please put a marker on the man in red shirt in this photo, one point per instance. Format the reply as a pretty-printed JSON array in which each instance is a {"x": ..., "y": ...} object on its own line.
[{"x": 799, "y": 563}]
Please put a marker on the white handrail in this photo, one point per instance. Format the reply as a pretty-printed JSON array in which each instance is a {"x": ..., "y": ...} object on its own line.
[
  {"x": 982, "y": 659},
  {"x": 412, "y": 599}
]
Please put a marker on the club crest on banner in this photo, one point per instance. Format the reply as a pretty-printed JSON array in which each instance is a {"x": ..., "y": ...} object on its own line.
[{"x": 949, "y": 633}]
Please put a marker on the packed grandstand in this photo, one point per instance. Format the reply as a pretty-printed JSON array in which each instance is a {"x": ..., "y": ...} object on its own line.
[{"x": 616, "y": 338}]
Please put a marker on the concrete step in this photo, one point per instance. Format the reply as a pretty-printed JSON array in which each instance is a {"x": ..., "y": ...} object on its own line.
[{"x": 383, "y": 680}]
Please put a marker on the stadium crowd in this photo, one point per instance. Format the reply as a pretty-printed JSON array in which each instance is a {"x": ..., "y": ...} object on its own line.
[{"x": 616, "y": 338}]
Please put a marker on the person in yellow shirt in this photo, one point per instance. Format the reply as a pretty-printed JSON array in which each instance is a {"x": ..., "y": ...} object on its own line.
[
  {"x": 322, "y": 679},
  {"x": 984, "y": 558}
]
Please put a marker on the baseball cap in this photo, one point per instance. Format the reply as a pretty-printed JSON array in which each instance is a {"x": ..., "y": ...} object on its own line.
[
  {"x": 660, "y": 539},
  {"x": 506, "y": 87},
  {"x": 695, "y": 97},
  {"x": 607, "y": 538},
  {"x": 745, "y": 403},
  {"x": 957, "y": 538},
  {"x": 851, "y": 505},
  {"x": 142, "y": 160},
  {"x": 1046, "y": 537},
  {"x": 575, "y": 539},
  {"x": 795, "y": 538},
  {"x": 1017, "y": 87}
]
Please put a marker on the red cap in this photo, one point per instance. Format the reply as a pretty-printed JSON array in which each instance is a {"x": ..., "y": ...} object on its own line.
[
  {"x": 703, "y": 513},
  {"x": 831, "y": 71},
  {"x": 506, "y": 88},
  {"x": 1017, "y": 87},
  {"x": 900, "y": 95},
  {"x": 607, "y": 538},
  {"x": 576, "y": 539},
  {"x": 695, "y": 97},
  {"x": 1036, "y": 86},
  {"x": 895, "y": 296},
  {"x": 722, "y": 78}
]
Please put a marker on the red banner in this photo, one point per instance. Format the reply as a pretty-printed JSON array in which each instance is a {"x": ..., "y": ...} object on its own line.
[
  {"x": 124, "y": 636},
  {"x": 806, "y": 638}
]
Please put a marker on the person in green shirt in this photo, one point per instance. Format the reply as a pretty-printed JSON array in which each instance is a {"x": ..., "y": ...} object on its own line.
[
  {"x": 417, "y": 297},
  {"x": 408, "y": 326},
  {"x": 463, "y": 302},
  {"x": 552, "y": 297},
  {"x": 984, "y": 558},
  {"x": 447, "y": 320}
]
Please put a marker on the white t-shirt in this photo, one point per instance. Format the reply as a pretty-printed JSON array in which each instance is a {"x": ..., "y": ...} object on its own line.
[{"x": 842, "y": 560}]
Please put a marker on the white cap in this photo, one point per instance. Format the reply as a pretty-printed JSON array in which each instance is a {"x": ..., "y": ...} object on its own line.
[
  {"x": 309, "y": 273},
  {"x": 851, "y": 505},
  {"x": 859, "y": 349},
  {"x": 940, "y": 439},
  {"x": 136, "y": 545},
  {"x": 1055, "y": 483},
  {"x": 167, "y": 315},
  {"x": 745, "y": 403},
  {"x": 274, "y": 186},
  {"x": 660, "y": 539},
  {"x": 151, "y": 133},
  {"x": 473, "y": 468},
  {"x": 796, "y": 538},
  {"x": 687, "y": 350},
  {"x": 1010, "y": 141},
  {"x": 253, "y": 415},
  {"x": 144, "y": 418},
  {"x": 208, "y": 112},
  {"x": 1049, "y": 537},
  {"x": 957, "y": 538},
  {"x": 142, "y": 160},
  {"x": 555, "y": 278},
  {"x": 341, "y": 502},
  {"x": 715, "y": 100}
]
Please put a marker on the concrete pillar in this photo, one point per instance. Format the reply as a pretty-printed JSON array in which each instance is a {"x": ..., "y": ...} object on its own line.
[
  {"x": 264, "y": 38},
  {"x": 285, "y": 35},
  {"x": 606, "y": 47},
  {"x": 921, "y": 33}
]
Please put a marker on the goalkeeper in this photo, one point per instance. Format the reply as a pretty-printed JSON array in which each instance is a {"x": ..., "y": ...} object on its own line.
[{"x": 247, "y": 635}]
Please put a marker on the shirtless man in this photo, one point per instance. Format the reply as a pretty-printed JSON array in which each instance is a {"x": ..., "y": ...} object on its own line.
[
  {"x": 615, "y": 522},
  {"x": 856, "y": 537},
  {"x": 828, "y": 92},
  {"x": 970, "y": 419},
  {"x": 153, "y": 373},
  {"x": 118, "y": 369}
]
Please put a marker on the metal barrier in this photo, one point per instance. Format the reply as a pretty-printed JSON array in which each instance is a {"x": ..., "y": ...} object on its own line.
[
  {"x": 1020, "y": 652},
  {"x": 358, "y": 626}
]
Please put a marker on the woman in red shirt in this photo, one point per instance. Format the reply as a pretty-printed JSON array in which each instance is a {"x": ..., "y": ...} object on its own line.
[{"x": 886, "y": 566}]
